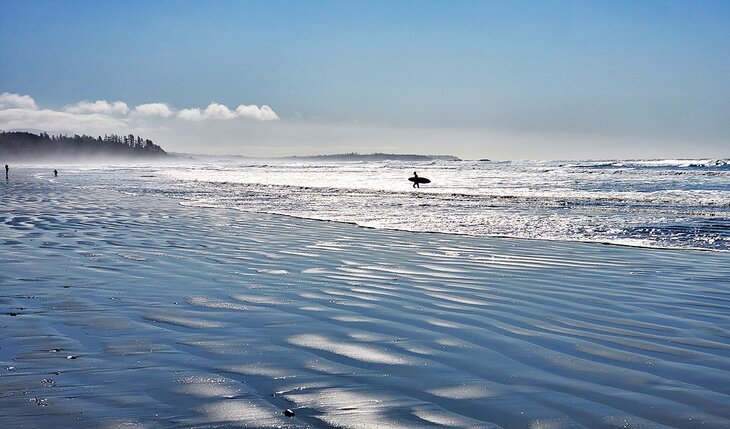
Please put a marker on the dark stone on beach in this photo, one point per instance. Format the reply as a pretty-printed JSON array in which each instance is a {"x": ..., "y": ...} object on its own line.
[
  {"x": 71, "y": 357},
  {"x": 289, "y": 413},
  {"x": 48, "y": 382},
  {"x": 12, "y": 313},
  {"x": 41, "y": 402},
  {"x": 55, "y": 350}
]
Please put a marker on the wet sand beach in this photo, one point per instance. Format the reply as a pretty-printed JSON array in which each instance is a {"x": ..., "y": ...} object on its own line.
[{"x": 136, "y": 311}]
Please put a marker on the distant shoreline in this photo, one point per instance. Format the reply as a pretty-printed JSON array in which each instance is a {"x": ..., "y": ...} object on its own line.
[
  {"x": 375, "y": 157},
  {"x": 334, "y": 157}
]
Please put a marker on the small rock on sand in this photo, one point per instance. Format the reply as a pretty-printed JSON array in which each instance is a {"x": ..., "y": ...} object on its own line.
[{"x": 41, "y": 402}]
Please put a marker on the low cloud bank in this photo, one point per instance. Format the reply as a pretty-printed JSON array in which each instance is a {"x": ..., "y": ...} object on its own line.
[
  {"x": 100, "y": 106},
  {"x": 53, "y": 121},
  {"x": 21, "y": 112}
]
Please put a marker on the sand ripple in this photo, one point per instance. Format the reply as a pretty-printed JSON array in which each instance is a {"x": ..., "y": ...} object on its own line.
[
  {"x": 197, "y": 317},
  {"x": 351, "y": 350}
]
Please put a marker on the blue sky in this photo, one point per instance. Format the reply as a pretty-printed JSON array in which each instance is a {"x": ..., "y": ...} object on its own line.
[{"x": 516, "y": 79}]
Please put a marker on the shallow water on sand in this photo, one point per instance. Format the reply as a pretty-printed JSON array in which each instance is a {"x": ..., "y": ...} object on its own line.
[
  {"x": 675, "y": 204},
  {"x": 134, "y": 311}
]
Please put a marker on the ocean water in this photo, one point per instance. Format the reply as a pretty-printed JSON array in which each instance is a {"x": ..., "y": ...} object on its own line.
[{"x": 675, "y": 204}]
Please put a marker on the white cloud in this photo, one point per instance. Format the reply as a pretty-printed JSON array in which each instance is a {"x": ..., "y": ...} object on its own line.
[
  {"x": 54, "y": 121},
  {"x": 159, "y": 121},
  {"x": 217, "y": 111},
  {"x": 16, "y": 101},
  {"x": 263, "y": 113},
  {"x": 160, "y": 110},
  {"x": 19, "y": 112},
  {"x": 98, "y": 106},
  {"x": 190, "y": 114},
  {"x": 214, "y": 111}
]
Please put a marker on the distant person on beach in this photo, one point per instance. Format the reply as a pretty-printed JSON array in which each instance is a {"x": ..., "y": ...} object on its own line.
[
  {"x": 418, "y": 180},
  {"x": 6, "y": 170},
  {"x": 55, "y": 173}
]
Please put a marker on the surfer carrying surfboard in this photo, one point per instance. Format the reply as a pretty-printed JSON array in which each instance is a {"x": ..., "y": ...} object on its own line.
[{"x": 418, "y": 180}]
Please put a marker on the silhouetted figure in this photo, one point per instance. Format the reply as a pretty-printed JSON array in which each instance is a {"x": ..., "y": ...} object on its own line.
[
  {"x": 418, "y": 180},
  {"x": 6, "y": 170},
  {"x": 55, "y": 173}
]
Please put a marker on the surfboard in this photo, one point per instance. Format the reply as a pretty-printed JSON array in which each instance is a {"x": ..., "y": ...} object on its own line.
[{"x": 419, "y": 180}]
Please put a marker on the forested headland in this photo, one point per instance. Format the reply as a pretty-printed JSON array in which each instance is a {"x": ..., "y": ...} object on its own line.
[{"x": 28, "y": 147}]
